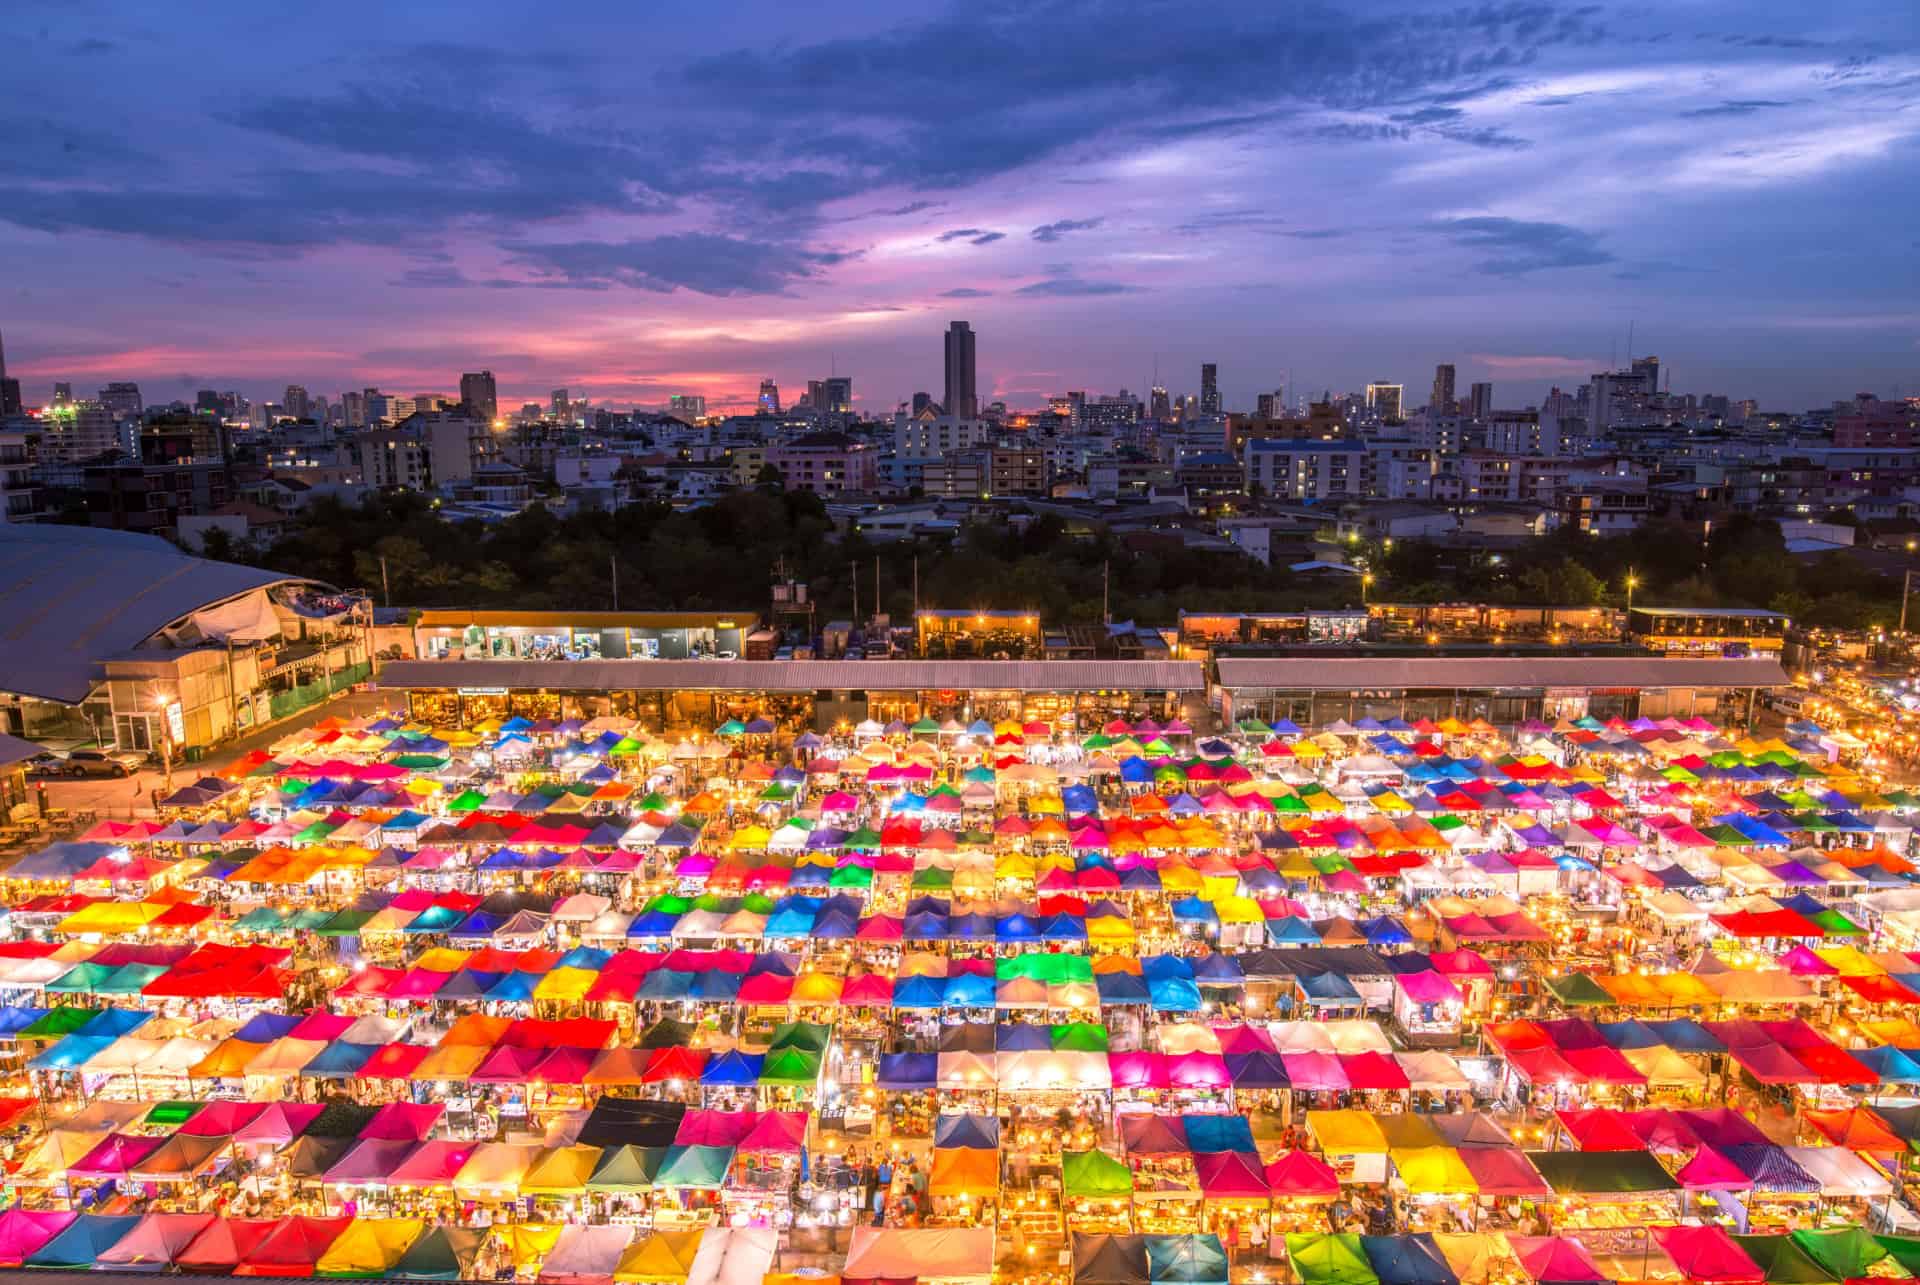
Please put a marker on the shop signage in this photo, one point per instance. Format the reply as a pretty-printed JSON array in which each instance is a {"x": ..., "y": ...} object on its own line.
[{"x": 481, "y": 691}]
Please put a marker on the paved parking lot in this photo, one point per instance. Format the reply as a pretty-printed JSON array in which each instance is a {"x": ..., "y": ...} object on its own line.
[{"x": 121, "y": 799}]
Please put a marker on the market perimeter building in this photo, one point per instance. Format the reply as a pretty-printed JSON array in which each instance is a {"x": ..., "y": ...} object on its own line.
[
  {"x": 1314, "y": 691},
  {"x": 822, "y": 694},
  {"x": 124, "y": 639}
]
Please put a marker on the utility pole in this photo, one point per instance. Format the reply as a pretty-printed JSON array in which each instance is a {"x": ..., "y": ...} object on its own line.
[
  {"x": 916, "y": 588},
  {"x": 876, "y": 584},
  {"x": 386, "y": 590},
  {"x": 613, "y": 574},
  {"x": 853, "y": 578},
  {"x": 1906, "y": 587},
  {"x": 1106, "y": 611}
]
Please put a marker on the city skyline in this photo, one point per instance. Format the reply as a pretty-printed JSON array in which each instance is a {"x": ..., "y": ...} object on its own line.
[{"x": 1313, "y": 201}]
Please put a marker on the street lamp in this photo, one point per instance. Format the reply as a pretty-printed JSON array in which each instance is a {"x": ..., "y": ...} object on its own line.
[
  {"x": 165, "y": 704},
  {"x": 1365, "y": 580},
  {"x": 1632, "y": 581}
]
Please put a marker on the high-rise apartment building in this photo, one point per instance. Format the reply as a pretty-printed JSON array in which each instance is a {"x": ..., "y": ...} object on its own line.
[
  {"x": 560, "y": 405},
  {"x": 963, "y": 399},
  {"x": 295, "y": 403},
  {"x": 1209, "y": 389},
  {"x": 687, "y": 405},
  {"x": 479, "y": 396},
  {"x": 1159, "y": 405},
  {"x": 769, "y": 397},
  {"x": 353, "y": 405},
  {"x": 123, "y": 399},
  {"x": 1442, "y": 399}
]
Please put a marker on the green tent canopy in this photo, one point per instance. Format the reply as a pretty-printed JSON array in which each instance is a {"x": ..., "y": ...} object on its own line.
[
  {"x": 1846, "y": 1252},
  {"x": 626, "y": 1168},
  {"x": 1578, "y": 989},
  {"x": 694, "y": 1168},
  {"x": 1095, "y": 1174},
  {"x": 1782, "y": 1259},
  {"x": 1602, "y": 1172},
  {"x": 1323, "y": 1258},
  {"x": 441, "y": 1254}
]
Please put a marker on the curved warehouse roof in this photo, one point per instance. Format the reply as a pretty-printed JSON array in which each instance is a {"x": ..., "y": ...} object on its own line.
[
  {"x": 71, "y": 597},
  {"x": 801, "y": 675}
]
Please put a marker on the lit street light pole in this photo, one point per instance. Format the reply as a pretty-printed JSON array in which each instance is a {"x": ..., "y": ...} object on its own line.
[{"x": 1632, "y": 580}]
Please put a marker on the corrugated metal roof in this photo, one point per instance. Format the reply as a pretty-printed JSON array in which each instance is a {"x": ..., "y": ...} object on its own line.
[
  {"x": 444, "y": 617},
  {"x": 801, "y": 675},
  {"x": 72, "y": 596},
  {"x": 1311, "y": 673}
]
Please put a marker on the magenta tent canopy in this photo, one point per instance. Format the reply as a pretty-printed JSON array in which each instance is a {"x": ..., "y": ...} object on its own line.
[
  {"x": 155, "y": 1241},
  {"x": 22, "y": 1231},
  {"x": 784, "y": 1131},
  {"x": 1198, "y": 1070},
  {"x": 218, "y": 1119},
  {"x": 715, "y": 1128},
  {"x": 404, "y": 1121},
  {"x": 1428, "y": 988},
  {"x": 116, "y": 1154},
  {"x": 1555, "y": 1259},
  {"x": 1231, "y": 1175},
  {"x": 1138, "y": 1070},
  {"x": 1315, "y": 1072}
]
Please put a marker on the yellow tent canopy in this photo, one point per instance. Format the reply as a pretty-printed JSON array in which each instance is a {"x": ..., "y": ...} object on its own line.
[
  {"x": 664, "y": 1257},
  {"x": 227, "y": 1061},
  {"x": 528, "y": 1243},
  {"x": 494, "y": 1171},
  {"x": 1347, "y": 1133},
  {"x": 1434, "y": 1171},
  {"x": 560, "y": 1171},
  {"x": 369, "y": 1247}
]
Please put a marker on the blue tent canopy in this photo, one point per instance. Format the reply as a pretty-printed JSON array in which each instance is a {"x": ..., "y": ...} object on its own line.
[
  {"x": 907, "y": 1071},
  {"x": 1219, "y": 1133},
  {"x": 733, "y": 1068}
]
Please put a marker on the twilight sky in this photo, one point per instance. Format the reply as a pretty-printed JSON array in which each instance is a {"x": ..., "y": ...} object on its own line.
[{"x": 636, "y": 199}]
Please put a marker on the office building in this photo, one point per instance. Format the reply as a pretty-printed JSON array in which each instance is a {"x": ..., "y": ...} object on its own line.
[
  {"x": 838, "y": 392},
  {"x": 1159, "y": 405},
  {"x": 1384, "y": 400},
  {"x": 9, "y": 388},
  {"x": 963, "y": 398},
  {"x": 1209, "y": 389},
  {"x": 1442, "y": 398},
  {"x": 687, "y": 406},
  {"x": 479, "y": 396},
  {"x": 769, "y": 397},
  {"x": 123, "y": 399}
]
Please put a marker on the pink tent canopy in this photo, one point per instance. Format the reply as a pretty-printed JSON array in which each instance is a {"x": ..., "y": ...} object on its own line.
[
  {"x": 1315, "y": 1071},
  {"x": 1503, "y": 1171},
  {"x": 116, "y": 1154},
  {"x": 715, "y": 1128},
  {"x": 280, "y": 1123},
  {"x": 1555, "y": 1259},
  {"x": 431, "y": 1164},
  {"x": 784, "y": 1131},
  {"x": 218, "y": 1119},
  {"x": 1709, "y": 1170},
  {"x": 405, "y": 1121},
  {"x": 1298, "y": 1173}
]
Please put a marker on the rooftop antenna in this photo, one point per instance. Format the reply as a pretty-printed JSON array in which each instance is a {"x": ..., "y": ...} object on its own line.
[{"x": 1630, "y": 341}]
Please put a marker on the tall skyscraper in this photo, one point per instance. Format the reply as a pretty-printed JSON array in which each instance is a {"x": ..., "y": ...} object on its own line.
[
  {"x": 354, "y": 407},
  {"x": 478, "y": 393},
  {"x": 1384, "y": 400},
  {"x": 560, "y": 406},
  {"x": 1481, "y": 400},
  {"x": 1159, "y": 406},
  {"x": 62, "y": 393},
  {"x": 123, "y": 399},
  {"x": 1209, "y": 389},
  {"x": 205, "y": 402},
  {"x": 769, "y": 396},
  {"x": 963, "y": 399},
  {"x": 1441, "y": 403},
  {"x": 838, "y": 392},
  {"x": 296, "y": 403}
]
